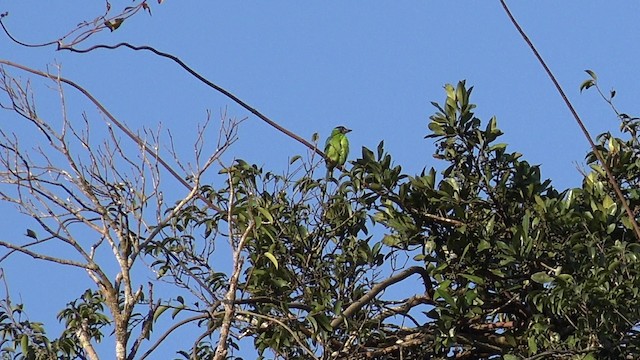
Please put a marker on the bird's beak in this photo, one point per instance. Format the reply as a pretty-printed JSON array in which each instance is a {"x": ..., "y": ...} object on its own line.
[{"x": 347, "y": 130}]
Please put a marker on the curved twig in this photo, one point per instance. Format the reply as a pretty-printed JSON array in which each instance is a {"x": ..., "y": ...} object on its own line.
[
  {"x": 293, "y": 334},
  {"x": 376, "y": 289},
  {"x": 37, "y": 255},
  {"x": 12, "y": 38},
  {"x": 170, "y": 330},
  {"x": 218, "y": 88},
  {"x": 98, "y": 24}
]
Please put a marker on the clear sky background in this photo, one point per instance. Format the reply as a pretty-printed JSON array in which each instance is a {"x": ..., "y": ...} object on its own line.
[{"x": 372, "y": 66}]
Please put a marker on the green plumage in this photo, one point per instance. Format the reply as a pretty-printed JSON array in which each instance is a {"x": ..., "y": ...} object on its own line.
[{"x": 336, "y": 148}]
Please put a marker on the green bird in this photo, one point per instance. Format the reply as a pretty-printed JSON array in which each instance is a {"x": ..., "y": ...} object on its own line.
[{"x": 336, "y": 148}]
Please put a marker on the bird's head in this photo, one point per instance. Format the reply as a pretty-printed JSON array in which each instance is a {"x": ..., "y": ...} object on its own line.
[{"x": 341, "y": 129}]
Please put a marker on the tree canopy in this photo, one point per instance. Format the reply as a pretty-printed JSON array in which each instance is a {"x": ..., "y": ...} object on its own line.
[{"x": 480, "y": 257}]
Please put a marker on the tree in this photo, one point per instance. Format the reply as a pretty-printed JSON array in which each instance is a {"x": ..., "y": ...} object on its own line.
[{"x": 480, "y": 260}]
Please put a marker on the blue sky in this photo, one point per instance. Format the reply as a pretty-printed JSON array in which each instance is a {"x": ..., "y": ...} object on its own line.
[{"x": 372, "y": 66}]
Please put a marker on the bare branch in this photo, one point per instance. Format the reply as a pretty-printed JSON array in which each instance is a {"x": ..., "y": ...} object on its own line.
[
  {"x": 587, "y": 135},
  {"x": 150, "y": 150},
  {"x": 218, "y": 88},
  {"x": 405, "y": 306},
  {"x": 147, "y": 324},
  {"x": 284, "y": 326},
  {"x": 36, "y": 255},
  {"x": 94, "y": 26},
  {"x": 229, "y": 302},
  {"x": 169, "y": 331},
  {"x": 82, "y": 333},
  {"x": 376, "y": 289}
]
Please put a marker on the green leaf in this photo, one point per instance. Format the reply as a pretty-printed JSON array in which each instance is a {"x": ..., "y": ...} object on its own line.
[
  {"x": 337, "y": 307},
  {"x": 436, "y": 128},
  {"x": 539, "y": 201},
  {"x": 473, "y": 278},
  {"x": 367, "y": 154},
  {"x": 614, "y": 264},
  {"x": 533, "y": 345},
  {"x": 266, "y": 214},
  {"x": 484, "y": 245},
  {"x": 24, "y": 343},
  {"x": 592, "y": 74},
  {"x": 608, "y": 202},
  {"x": 176, "y": 311},
  {"x": 390, "y": 240},
  {"x": 272, "y": 258},
  {"x": 323, "y": 321},
  {"x": 444, "y": 294},
  {"x": 294, "y": 159},
  {"x": 314, "y": 324},
  {"x": 159, "y": 311},
  {"x": 541, "y": 277},
  {"x": 466, "y": 249},
  {"x": 586, "y": 84}
]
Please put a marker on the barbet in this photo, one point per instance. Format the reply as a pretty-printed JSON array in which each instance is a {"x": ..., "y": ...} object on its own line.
[{"x": 337, "y": 149}]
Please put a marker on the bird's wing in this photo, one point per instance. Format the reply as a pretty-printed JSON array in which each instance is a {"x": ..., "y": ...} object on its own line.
[
  {"x": 344, "y": 149},
  {"x": 327, "y": 143},
  {"x": 331, "y": 139},
  {"x": 332, "y": 149}
]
